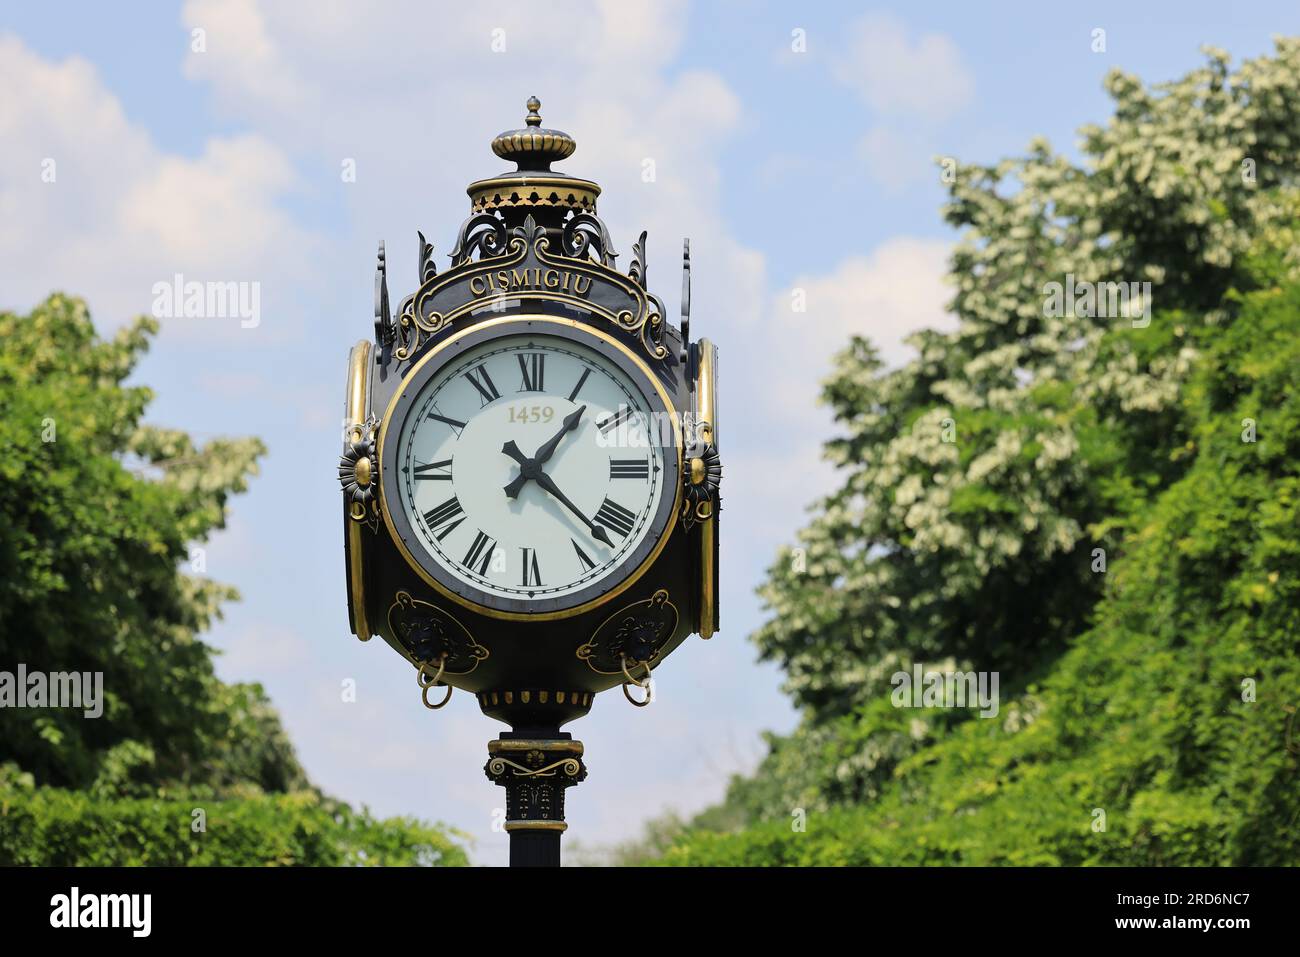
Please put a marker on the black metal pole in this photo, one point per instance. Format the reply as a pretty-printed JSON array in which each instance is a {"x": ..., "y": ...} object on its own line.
[
  {"x": 534, "y": 848},
  {"x": 535, "y": 766}
]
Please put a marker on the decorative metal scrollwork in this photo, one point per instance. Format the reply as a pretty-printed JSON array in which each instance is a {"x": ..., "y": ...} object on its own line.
[
  {"x": 568, "y": 766},
  {"x": 357, "y": 472},
  {"x": 702, "y": 479},
  {"x": 385, "y": 330},
  {"x": 483, "y": 234},
  {"x": 584, "y": 236},
  {"x": 535, "y": 774},
  {"x": 508, "y": 268},
  {"x": 684, "y": 356},
  {"x": 632, "y": 639},
  {"x": 637, "y": 271},
  {"x": 704, "y": 476},
  {"x": 437, "y": 643},
  {"x": 428, "y": 269}
]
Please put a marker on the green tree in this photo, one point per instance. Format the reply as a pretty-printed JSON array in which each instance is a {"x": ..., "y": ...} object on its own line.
[
  {"x": 100, "y": 511},
  {"x": 1167, "y": 733},
  {"x": 980, "y": 478}
]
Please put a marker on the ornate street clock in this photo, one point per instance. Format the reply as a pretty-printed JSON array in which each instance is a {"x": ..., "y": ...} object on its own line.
[{"x": 530, "y": 474}]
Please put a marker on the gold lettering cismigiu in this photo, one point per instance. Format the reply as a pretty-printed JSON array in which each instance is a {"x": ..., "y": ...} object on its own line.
[{"x": 506, "y": 280}]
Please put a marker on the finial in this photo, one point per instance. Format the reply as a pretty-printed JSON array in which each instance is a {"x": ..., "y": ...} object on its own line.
[
  {"x": 533, "y": 148},
  {"x": 533, "y": 185}
]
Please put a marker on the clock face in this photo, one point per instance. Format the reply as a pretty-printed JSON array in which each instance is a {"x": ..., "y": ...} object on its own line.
[{"x": 529, "y": 472}]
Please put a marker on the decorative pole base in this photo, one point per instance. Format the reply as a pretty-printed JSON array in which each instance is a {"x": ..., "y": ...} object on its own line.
[{"x": 535, "y": 770}]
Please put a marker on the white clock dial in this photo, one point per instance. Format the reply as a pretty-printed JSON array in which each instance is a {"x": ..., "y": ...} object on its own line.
[{"x": 526, "y": 468}]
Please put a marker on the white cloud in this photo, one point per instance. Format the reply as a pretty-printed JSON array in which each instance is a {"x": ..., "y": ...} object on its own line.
[
  {"x": 896, "y": 74},
  {"x": 342, "y": 86},
  {"x": 121, "y": 214},
  {"x": 885, "y": 296}
]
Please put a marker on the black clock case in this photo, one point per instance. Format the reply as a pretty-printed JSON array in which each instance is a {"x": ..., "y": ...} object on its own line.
[{"x": 533, "y": 670}]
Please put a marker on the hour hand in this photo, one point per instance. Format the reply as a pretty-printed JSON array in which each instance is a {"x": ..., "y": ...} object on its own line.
[
  {"x": 597, "y": 532},
  {"x": 525, "y": 466},
  {"x": 512, "y": 449}
]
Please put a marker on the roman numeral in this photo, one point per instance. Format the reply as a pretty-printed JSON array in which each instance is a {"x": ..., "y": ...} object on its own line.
[
  {"x": 615, "y": 516},
  {"x": 456, "y": 424},
  {"x": 480, "y": 553},
  {"x": 583, "y": 558},
  {"x": 442, "y": 521},
  {"x": 487, "y": 389},
  {"x": 577, "y": 388},
  {"x": 629, "y": 469},
  {"x": 615, "y": 419},
  {"x": 532, "y": 575},
  {"x": 531, "y": 366},
  {"x": 428, "y": 473}
]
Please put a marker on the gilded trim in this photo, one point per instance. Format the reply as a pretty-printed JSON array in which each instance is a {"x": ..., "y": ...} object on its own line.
[
  {"x": 708, "y": 600},
  {"x": 706, "y": 415},
  {"x": 536, "y": 826},
  {"x": 534, "y": 744},
  {"x": 645, "y": 321},
  {"x": 356, "y": 413},
  {"x": 705, "y": 394},
  {"x": 358, "y": 384},
  {"x": 404, "y": 604},
  {"x": 628, "y": 582},
  {"x": 493, "y": 699},
  {"x": 566, "y": 766},
  {"x": 565, "y": 192},
  {"x": 639, "y": 613}
]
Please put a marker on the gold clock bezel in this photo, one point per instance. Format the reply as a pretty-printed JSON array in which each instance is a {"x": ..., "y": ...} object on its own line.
[{"x": 500, "y": 614}]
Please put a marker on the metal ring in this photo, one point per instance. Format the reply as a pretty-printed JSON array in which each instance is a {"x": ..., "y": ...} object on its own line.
[
  {"x": 421, "y": 674},
  {"x": 640, "y": 683},
  {"x": 628, "y": 695},
  {"x": 420, "y": 677},
  {"x": 424, "y": 696}
]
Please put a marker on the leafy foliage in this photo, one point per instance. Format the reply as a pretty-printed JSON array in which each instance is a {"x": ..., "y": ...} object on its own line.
[
  {"x": 980, "y": 479},
  {"x": 1146, "y": 718},
  {"x": 100, "y": 512},
  {"x": 55, "y": 827}
]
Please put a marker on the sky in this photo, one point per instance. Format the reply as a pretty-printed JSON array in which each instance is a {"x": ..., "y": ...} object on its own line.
[{"x": 795, "y": 144}]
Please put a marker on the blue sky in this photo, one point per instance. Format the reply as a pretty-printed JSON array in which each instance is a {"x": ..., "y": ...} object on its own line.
[{"x": 789, "y": 170}]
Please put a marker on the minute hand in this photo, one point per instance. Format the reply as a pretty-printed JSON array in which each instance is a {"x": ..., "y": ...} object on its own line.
[{"x": 597, "y": 532}]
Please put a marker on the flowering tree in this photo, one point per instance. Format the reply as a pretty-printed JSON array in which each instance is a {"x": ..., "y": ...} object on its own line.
[{"x": 994, "y": 487}]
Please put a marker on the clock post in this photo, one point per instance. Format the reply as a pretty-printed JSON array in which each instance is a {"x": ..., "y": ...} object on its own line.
[{"x": 530, "y": 475}]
